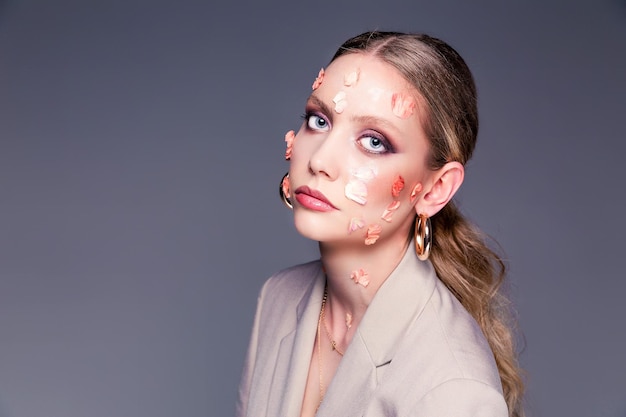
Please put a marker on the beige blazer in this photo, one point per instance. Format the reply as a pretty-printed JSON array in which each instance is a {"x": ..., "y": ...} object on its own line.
[{"x": 416, "y": 352}]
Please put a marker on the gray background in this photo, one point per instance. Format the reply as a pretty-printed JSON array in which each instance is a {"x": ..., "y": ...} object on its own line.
[{"x": 141, "y": 148}]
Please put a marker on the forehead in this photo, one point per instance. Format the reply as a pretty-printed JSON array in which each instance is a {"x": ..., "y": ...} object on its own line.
[{"x": 373, "y": 72}]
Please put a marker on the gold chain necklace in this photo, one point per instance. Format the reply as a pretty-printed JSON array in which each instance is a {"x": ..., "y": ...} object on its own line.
[
  {"x": 319, "y": 343},
  {"x": 333, "y": 344}
]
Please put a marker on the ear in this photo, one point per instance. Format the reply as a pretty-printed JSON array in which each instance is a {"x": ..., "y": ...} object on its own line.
[{"x": 446, "y": 182}]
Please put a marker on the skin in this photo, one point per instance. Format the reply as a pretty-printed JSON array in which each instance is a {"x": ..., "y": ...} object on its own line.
[{"x": 328, "y": 148}]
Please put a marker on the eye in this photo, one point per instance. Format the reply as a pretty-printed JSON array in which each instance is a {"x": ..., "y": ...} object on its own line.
[
  {"x": 374, "y": 144},
  {"x": 316, "y": 122}
]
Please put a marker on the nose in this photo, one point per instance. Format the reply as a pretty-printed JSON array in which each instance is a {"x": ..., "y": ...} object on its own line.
[{"x": 325, "y": 159}]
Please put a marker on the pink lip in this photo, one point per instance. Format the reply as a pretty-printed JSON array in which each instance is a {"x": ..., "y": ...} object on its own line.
[{"x": 313, "y": 199}]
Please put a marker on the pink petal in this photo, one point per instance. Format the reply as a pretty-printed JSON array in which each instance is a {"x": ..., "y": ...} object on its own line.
[
  {"x": 351, "y": 78},
  {"x": 390, "y": 210},
  {"x": 356, "y": 191},
  {"x": 289, "y": 137},
  {"x": 416, "y": 190},
  {"x": 373, "y": 233},
  {"x": 361, "y": 277},
  {"x": 318, "y": 81},
  {"x": 402, "y": 105},
  {"x": 397, "y": 186},
  {"x": 355, "y": 224}
]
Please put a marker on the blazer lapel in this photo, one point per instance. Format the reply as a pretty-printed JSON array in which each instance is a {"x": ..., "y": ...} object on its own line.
[
  {"x": 398, "y": 303},
  {"x": 294, "y": 356}
]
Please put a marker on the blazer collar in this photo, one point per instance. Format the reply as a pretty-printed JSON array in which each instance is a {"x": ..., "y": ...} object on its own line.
[{"x": 398, "y": 303}]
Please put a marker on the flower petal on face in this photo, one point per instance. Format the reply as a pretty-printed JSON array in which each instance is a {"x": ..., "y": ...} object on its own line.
[
  {"x": 416, "y": 190},
  {"x": 365, "y": 173},
  {"x": 397, "y": 186},
  {"x": 402, "y": 105},
  {"x": 355, "y": 224},
  {"x": 340, "y": 101},
  {"x": 359, "y": 276},
  {"x": 391, "y": 208},
  {"x": 351, "y": 78},
  {"x": 318, "y": 81},
  {"x": 341, "y": 106},
  {"x": 356, "y": 191},
  {"x": 373, "y": 233},
  {"x": 289, "y": 137},
  {"x": 285, "y": 184}
]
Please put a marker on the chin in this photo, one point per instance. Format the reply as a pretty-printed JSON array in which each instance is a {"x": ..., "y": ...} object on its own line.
[{"x": 319, "y": 228}]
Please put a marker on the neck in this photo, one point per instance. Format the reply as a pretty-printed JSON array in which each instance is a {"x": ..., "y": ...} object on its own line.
[{"x": 345, "y": 296}]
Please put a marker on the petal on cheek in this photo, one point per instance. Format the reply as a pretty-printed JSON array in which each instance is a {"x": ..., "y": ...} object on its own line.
[
  {"x": 373, "y": 233},
  {"x": 416, "y": 190},
  {"x": 361, "y": 277},
  {"x": 289, "y": 137},
  {"x": 391, "y": 208},
  {"x": 355, "y": 224},
  {"x": 356, "y": 191},
  {"x": 318, "y": 81},
  {"x": 397, "y": 186},
  {"x": 365, "y": 173}
]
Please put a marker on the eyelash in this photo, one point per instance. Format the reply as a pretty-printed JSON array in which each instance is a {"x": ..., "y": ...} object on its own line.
[{"x": 374, "y": 135}]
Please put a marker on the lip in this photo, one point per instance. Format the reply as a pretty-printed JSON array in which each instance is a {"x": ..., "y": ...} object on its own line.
[{"x": 313, "y": 199}]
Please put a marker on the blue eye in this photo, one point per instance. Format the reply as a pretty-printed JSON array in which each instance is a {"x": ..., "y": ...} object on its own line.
[
  {"x": 315, "y": 122},
  {"x": 373, "y": 144}
]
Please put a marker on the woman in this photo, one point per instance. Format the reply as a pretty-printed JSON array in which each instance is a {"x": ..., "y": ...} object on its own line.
[{"x": 402, "y": 315}]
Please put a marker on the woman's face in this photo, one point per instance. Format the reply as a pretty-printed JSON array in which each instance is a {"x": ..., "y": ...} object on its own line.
[{"x": 358, "y": 163}]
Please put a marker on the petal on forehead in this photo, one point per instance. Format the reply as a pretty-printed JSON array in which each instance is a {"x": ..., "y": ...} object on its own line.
[
  {"x": 341, "y": 106},
  {"x": 318, "y": 81},
  {"x": 402, "y": 105},
  {"x": 351, "y": 78}
]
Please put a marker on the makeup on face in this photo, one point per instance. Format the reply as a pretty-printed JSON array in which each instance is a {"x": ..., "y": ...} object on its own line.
[{"x": 348, "y": 320}]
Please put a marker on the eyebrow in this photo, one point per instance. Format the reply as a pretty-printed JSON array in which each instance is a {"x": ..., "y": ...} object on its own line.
[
  {"x": 319, "y": 103},
  {"x": 365, "y": 120}
]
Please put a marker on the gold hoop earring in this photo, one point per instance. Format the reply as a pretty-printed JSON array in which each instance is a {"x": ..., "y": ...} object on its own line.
[
  {"x": 283, "y": 190},
  {"x": 423, "y": 237}
]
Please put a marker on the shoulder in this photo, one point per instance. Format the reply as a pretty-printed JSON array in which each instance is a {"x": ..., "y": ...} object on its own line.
[
  {"x": 282, "y": 292},
  {"x": 292, "y": 281}
]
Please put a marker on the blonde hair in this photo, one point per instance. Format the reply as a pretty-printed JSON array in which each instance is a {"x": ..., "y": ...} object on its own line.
[{"x": 464, "y": 262}]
